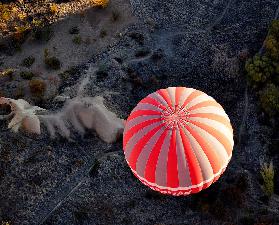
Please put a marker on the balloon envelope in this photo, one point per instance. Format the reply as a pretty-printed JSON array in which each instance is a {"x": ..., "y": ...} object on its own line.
[{"x": 178, "y": 140}]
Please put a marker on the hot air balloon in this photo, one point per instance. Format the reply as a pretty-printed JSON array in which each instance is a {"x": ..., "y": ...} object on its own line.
[{"x": 178, "y": 141}]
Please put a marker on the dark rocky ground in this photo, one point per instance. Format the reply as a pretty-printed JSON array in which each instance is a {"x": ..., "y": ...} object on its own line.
[{"x": 199, "y": 44}]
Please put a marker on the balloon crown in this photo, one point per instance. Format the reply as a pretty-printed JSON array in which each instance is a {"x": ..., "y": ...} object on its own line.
[{"x": 175, "y": 116}]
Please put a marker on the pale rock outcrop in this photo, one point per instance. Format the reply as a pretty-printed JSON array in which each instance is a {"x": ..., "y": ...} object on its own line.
[{"x": 24, "y": 115}]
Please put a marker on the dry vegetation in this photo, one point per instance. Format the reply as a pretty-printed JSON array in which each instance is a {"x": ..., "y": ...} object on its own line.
[{"x": 20, "y": 16}]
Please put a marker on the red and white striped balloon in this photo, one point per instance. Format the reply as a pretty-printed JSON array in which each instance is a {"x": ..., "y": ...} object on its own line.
[{"x": 178, "y": 140}]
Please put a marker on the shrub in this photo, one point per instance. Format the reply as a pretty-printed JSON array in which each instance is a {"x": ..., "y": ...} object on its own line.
[
  {"x": 27, "y": 62},
  {"x": 68, "y": 73},
  {"x": 77, "y": 40},
  {"x": 267, "y": 172},
  {"x": 26, "y": 75},
  {"x": 269, "y": 98},
  {"x": 37, "y": 87},
  {"x": 51, "y": 62}
]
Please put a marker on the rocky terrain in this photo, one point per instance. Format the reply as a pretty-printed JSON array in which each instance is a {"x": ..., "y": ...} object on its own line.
[{"x": 199, "y": 44}]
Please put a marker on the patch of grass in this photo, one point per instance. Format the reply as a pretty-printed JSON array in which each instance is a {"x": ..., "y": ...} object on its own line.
[
  {"x": 28, "y": 62},
  {"x": 37, "y": 87},
  {"x": 77, "y": 40},
  {"x": 267, "y": 173},
  {"x": 26, "y": 75}
]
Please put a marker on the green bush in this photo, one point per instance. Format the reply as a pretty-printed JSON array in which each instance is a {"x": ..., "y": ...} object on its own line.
[
  {"x": 27, "y": 75},
  {"x": 28, "y": 62},
  {"x": 52, "y": 63},
  {"x": 269, "y": 98},
  {"x": 77, "y": 39}
]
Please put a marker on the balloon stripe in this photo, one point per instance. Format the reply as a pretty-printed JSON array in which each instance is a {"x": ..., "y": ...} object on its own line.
[
  {"x": 161, "y": 168},
  {"x": 139, "y": 120},
  {"x": 210, "y": 109},
  {"x": 150, "y": 168},
  {"x": 214, "y": 144},
  {"x": 183, "y": 169},
  {"x": 139, "y": 146},
  {"x": 164, "y": 93},
  {"x": 199, "y": 99},
  {"x": 152, "y": 101},
  {"x": 147, "y": 106},
  {"x": 217, "y": 134},
  {"x": 146, "y": 152},
  {"x": 159, "y": 98},
  {"x": 227, "y": 132},
  {"x": 193, "y": 164},
  {"x": 185, "y": 94},
  {"x": 171, "y": 92},
  {"x": 211, "y": 155},
  {"x": 192, "y": 96},
  {"x": 172, "y": 173},
  {"x": 215, "y": 117},
  {"x": 136, "y": 138},
  {"x": 142, "y": 112},
  {"x": 178, "y": 94},
  {"x": 136, "y": 129},
  {"x": 205, "y": 104},
  {"x": 204, "y": 163}
]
